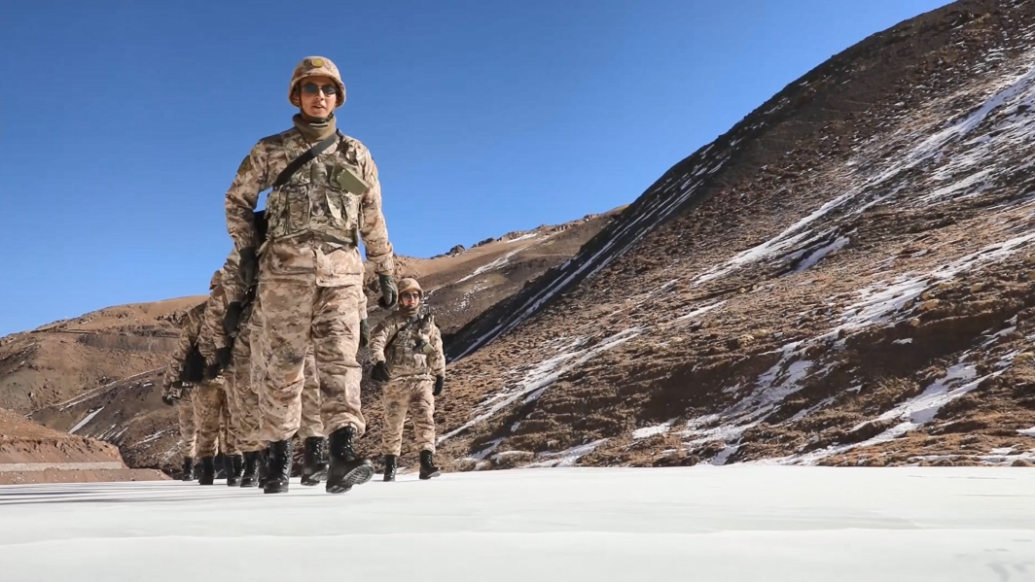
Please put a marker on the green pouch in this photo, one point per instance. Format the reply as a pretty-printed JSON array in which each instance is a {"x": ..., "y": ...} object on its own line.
[{"x": 347, "y": 180}]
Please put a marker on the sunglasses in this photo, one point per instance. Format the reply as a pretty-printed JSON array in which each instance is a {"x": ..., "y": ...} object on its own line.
[{"x": 313, "y": 89}]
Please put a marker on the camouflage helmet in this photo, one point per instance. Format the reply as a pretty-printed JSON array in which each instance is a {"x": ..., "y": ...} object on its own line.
[
  {"x": 409, "y": 284},
  {"x": 315, "y": 67},
  {"x": 217, "y": 279}
]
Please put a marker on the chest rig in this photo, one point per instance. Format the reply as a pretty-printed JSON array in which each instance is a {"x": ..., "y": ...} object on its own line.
[{"x": 322, "y": 198}]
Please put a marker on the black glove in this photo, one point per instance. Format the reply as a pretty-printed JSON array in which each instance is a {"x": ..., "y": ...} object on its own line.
[
  {"x": 212, "y": 370},
  {"x": 364, "y": 333},
  {"x": 168, "y": 399},
  {"x": 223, "y": 358},
  {"x": 248, "y": 267},
  {"x": 389, "y": 293},
  {"x": 232, "y": 318},
  {"x": 380, "y": 372},
  {"x": 439, "y": 382}
]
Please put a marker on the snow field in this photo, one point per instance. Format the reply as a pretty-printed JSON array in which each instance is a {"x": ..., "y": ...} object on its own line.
[{"x": 744, "y": 522}]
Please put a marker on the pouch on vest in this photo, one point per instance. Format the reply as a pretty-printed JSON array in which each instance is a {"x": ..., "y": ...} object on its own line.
[{"x": 347, "y": 180}]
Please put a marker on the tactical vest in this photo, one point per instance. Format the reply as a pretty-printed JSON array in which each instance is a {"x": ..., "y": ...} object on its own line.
[
  {"x": 315, "y": 202},
  {"x": 407, "y": 353}
]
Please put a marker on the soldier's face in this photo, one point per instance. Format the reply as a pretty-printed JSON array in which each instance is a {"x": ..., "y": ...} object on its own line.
[
  {"x": 409, "y": 299},
  {"x": 319, "y": 96}
]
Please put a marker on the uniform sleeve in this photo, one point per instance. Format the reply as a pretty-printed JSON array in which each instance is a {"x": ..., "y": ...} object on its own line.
[
  {"x": 242, "y": 197},
  {"x": 232, "y": 286},
  {"x": 188, "y": 334},
  {"x": 372, "y": 225},
  {"x": 379, "y": 338},
  {"x": 437, "y": 359},
  {"x": 213, "y": 337}
]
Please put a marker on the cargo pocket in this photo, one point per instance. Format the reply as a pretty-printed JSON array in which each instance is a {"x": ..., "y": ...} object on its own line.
[{"x": 287, "y": 259}]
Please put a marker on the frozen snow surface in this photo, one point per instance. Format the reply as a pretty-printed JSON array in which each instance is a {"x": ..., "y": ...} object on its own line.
[{"x": 744, "y": 522}]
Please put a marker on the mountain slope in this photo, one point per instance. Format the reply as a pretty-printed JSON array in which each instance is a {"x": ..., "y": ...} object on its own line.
[{"x": 843, "y": 277}]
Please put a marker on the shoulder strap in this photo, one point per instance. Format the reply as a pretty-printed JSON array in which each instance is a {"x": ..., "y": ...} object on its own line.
[{"x": 301, "y": 160}]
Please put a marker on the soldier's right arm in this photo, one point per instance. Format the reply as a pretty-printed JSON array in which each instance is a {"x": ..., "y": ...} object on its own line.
[
  {"x": 189, "y": 329},
  {"x": 232, "y": 286},
  {"x": 242, "y": 197},
  {"x": 212, "y": 336},
  {"x": 383, "y": 332}
]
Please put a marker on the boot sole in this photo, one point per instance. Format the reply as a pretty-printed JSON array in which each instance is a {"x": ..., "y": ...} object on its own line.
[
  {"x": 357, "y": 476},
  {"x": 426, "y": 477},
  {"x": 275, "y": 489}
]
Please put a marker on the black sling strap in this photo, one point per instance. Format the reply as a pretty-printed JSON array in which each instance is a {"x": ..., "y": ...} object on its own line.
[{"x": 301, "y": 160}]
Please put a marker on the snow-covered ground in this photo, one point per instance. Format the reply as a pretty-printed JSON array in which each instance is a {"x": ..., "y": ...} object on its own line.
[{"x": 745, "y": 522}]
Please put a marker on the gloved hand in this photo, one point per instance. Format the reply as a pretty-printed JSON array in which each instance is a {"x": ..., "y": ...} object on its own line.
[
  {"x": 211, "y": 371},
  {"x": 168, "y": 399},
  {"x": 248, "y": 267},
  {"x": 364, "y": 333},
  {"x": 380, "y": 372},
  {"x": 389, "y": 293},
  {"x": 439, "y": 382},
  {"x": 232, "y": 318},
  {"x": 223, "y": 358}
]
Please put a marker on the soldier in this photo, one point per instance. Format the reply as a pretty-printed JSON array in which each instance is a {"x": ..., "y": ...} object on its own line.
[
  {"x": 185, "y": 367},
  {"x": 406, "y": 349},
  {"x": 210, "y": 404},
  {"x": 216, "y": 347},
  {"x": 325, "y": 196}
]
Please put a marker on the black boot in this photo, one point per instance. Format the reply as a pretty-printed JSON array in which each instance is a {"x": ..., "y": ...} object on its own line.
[
  {"x": 221, "y": 465},
  {"x": 235, "y": 468},
  {"x": 264, "y": 465},
  {"x": 391, "y": 463},
  {"x": 208, "y": 471},
  {"x": 346, "y": 469},
  {"x": 427, "y": 468},
  {"x": 314, "y": 467},
  {"x": 278, "y": 469},
  {"x": 188, "y": 469},
  {"x": 250, "y": 475}
]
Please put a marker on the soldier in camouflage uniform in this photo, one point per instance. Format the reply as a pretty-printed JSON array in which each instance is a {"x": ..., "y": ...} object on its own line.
[
  {"x": 215, "y": 348},
  {"x": 406, "y": 349},
  {"x": 209, "y": 395},
  {"x": 309, "y": 269},
  {"x": 177, "y": 384}
]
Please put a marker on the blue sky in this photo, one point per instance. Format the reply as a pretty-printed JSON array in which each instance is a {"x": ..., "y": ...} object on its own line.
[{"x": 122, "y": 123}]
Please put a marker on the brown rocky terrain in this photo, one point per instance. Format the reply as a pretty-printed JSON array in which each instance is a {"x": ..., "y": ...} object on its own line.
[
  {"x": 30, "y": 453},
  {"x": 100, "y": 375},
  {"x": 845, "y": 277}
]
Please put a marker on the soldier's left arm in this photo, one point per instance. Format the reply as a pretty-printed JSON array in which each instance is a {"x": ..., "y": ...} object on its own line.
[
  {"x": 437, "y": 359},
  {"x": 372, "y": 225}
]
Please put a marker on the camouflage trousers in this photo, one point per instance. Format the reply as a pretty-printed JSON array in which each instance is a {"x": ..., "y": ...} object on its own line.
[
  {"x": 243, "y": 392},
  {"x": 210, "y": 408},
  {"x": 399, "y": 396},
  {"x": 312, "y": 421},
  {"x": 188, "y": 426},
  {"x": 298, "y": 317}
]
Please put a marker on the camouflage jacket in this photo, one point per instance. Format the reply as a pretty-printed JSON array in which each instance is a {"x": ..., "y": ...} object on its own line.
[
  {"x": 317, "y": 218},
  {"x": 411, "y": 346},
  {"x": 190, "y": 331}
]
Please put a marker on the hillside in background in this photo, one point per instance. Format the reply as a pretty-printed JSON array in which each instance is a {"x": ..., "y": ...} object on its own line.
[{"x": 843, "y": 278}]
